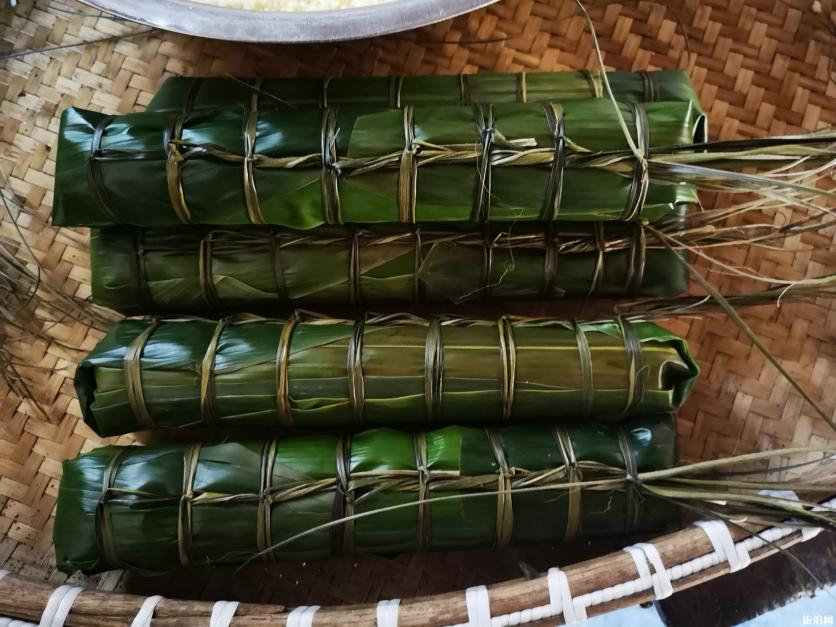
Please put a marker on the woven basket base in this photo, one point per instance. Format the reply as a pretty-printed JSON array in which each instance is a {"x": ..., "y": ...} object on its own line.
[{"x": 761, "y": 66}]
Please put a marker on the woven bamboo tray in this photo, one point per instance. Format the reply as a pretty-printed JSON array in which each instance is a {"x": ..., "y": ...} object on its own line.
[{"x": 761, "y": 67}]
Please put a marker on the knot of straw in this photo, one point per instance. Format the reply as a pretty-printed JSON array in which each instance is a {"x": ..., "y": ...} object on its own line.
[
  {"x": 504, "y": 503},
  {"x": 264, "y": 527},
  {"x": 342, "y": 539},
  {"x": 554, "y": 188},
  {"x": 419, "y": 441},
  {"x": 641, "y": 172},
  {"x": 487, "y": 132},
  {"x": 174, "y": 169},
  {"x": 631, "y": 481},
  {"x": 191, "y": 454}
]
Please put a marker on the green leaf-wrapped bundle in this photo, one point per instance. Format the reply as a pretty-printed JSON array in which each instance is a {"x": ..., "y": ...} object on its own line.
[
  {"x": 197, "y": 269},
  {"x": 303, "y": 168},
  {"x": 386, "y": 371},
  {"x": 182, "y": 93},
  {"x": 164, "y": 506}
]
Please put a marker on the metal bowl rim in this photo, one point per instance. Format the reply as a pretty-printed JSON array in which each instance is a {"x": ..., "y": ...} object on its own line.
[{"x": 193, "y": 18}]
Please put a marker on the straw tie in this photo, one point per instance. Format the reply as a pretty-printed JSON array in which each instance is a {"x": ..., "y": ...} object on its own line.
[
  {"x": 174, "y": 169},
  {"x": 191, "y": 454},
  {"x": 433, "y": 369},
  {"x": 282, "y": 364},
  {"x": 641, "y": 173},
  {"x": 637, "y": 372},
  {"x": 264, "y": 526},
  {"x": 485, "y": 125},
  {"x": 508, "y": 365},
  {"x": 208, "y": 406},
  {"x": 574, "y": 508},
  {"x": 637, "y": 261},
  {"x": 104, "y": 527},
  {"x": 395, "y": 90},
  {"x": 205, "y": 274},
  {"x": 141, "y": 283},
  {"x": 550, "y": 266},
  {"x": 342, "y": 538},
  {"x": 598, "y": 269},
  {"x": 418, "y": 285},
  {"x": 419, "y": 442},
  {"x": 554, "y": 189},
  {"x": 132, "y": 371},
  {"x": 504, "y": 503},
  {"x": 251, "y": 202},
  {"x": 354, "y": 273},
  {"x": 330, "y": 168},
  {"x": 585, "y": 369},
  {"x": 631, "y": 483},
  {"x": 596, "y": 84},
  {"x": 278, "y": 269},
  {"x": 485, "y": 283},
  {"x": 408, "y": 177},
  {"x": 94, "y": 170},
  {"x": 354, "y": 367}
]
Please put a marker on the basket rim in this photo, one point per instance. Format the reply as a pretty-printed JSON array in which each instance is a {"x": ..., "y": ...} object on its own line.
[{"x": 687, "y": 558}]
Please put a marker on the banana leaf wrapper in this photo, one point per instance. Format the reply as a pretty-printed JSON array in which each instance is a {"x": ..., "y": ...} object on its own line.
[
  {"x": 162, "y": 507},
  {"x": 304, "y": 168},
  {"x": 180, "y": 93},
  {"x": 204, "y": 270},
  {"x": 385, "y": 371}
]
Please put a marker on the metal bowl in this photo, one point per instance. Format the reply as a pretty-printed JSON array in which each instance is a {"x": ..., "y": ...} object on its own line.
[{"x": 193, "y": 18}]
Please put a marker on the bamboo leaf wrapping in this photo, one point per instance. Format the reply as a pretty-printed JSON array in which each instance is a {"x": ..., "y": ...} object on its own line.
[
  {"x": 194, "y": 94},
  {"x": 164, "y": 506},
  {"x": 195, "y": 269},
  {"x": 303, "y": 168},
  {"x": 387, "y": 371}
]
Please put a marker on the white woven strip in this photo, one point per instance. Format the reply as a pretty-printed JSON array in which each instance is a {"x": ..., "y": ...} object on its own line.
[
  {"x": 640, "y": 560},
  {"x": 561, "y": 597},
  {"x": 387, "y": 613},
  {"x": 302, "y": 616},
  {"x": 146, "y": 612},
  {"x": 222, "y": 613},
  {"x": 59, "y": 605},
  {"x": 662, "y": 586},
  {"x": 721, "y": 539},
  {"x": 13, "y": 622},
  {"x": 3, "y": 573},
  {"x": 478, "y": 606}
]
